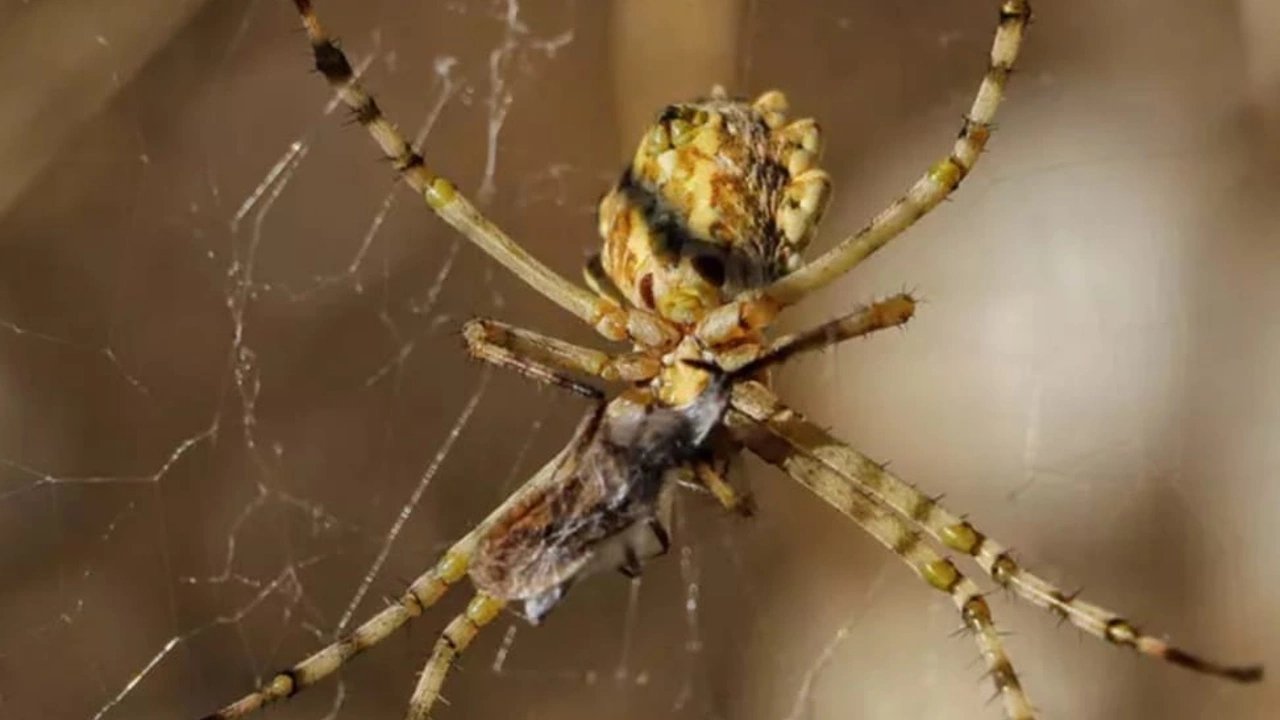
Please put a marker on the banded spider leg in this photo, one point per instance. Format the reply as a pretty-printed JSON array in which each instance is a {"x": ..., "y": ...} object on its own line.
[{"x": 836, "y": 472}]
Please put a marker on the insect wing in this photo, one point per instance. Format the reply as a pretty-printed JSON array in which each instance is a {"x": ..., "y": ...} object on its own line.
[
  {"x": 532, "y": 548},
  {"x": 542, "y": 545}
]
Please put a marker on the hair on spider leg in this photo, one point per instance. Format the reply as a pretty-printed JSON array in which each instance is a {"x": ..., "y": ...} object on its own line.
[
  {"x": 331, "y": 61},
  {"x": 912, "y": 293},
  {"x": 1061, "y": 600},
  {"x": 1003, "y": 582},
  {"x": 363, "y": 116},
  {"x": 882, "y": 465},
  {"x": 402, "y": 581},
  {"x": 999, "y": 676},
  {"x": 967, "y": 122},
  {"x": 996, "y": 679}
]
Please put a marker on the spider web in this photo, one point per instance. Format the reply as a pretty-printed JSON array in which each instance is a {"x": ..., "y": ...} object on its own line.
[{"x": 238, "y": 416}]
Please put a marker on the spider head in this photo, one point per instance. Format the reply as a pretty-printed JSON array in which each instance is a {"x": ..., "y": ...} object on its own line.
[{"x": 722, "y": 196}]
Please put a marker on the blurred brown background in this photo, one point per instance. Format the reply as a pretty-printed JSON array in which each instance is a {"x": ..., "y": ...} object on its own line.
[{"x": 216, "y": 406}]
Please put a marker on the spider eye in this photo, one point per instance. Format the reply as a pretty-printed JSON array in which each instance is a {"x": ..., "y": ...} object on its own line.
[{"x": 711, "y": 268}]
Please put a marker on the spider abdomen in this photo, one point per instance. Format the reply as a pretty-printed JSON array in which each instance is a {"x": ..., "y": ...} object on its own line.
[{"x": 720, "y": 197}]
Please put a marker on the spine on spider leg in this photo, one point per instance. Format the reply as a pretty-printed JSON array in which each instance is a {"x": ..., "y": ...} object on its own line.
[{"x": 942, "y": 575}]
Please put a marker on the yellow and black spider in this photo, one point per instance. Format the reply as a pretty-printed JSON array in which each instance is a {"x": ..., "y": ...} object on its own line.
[{"x": 703, "y": 238}]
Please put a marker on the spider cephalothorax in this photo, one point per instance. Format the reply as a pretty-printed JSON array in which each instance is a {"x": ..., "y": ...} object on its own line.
[{"x": 721, "y": 196}]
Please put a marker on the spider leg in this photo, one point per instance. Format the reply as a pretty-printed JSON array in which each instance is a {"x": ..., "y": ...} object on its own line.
[
  {"x": 729, "y": 497},
  {"x": 890, "y": 312},
  {"x": 759, "y": 308},
  {"x": 443, "y": 197},
  {"x": 793, "y": 434},
  {"x": 519, "y": 349},
  {"x": 893, "y": 311},
  {"x": 747, "y": 360},
  {"x": 936, "y": 184},
  {"x": 421, "y": 594},
  {"x": 453, "y": 641},
  {"x": 769, "y": 440}
]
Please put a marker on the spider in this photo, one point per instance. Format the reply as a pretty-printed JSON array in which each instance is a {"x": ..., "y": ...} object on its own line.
[{"x": 703, "y": 237}]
